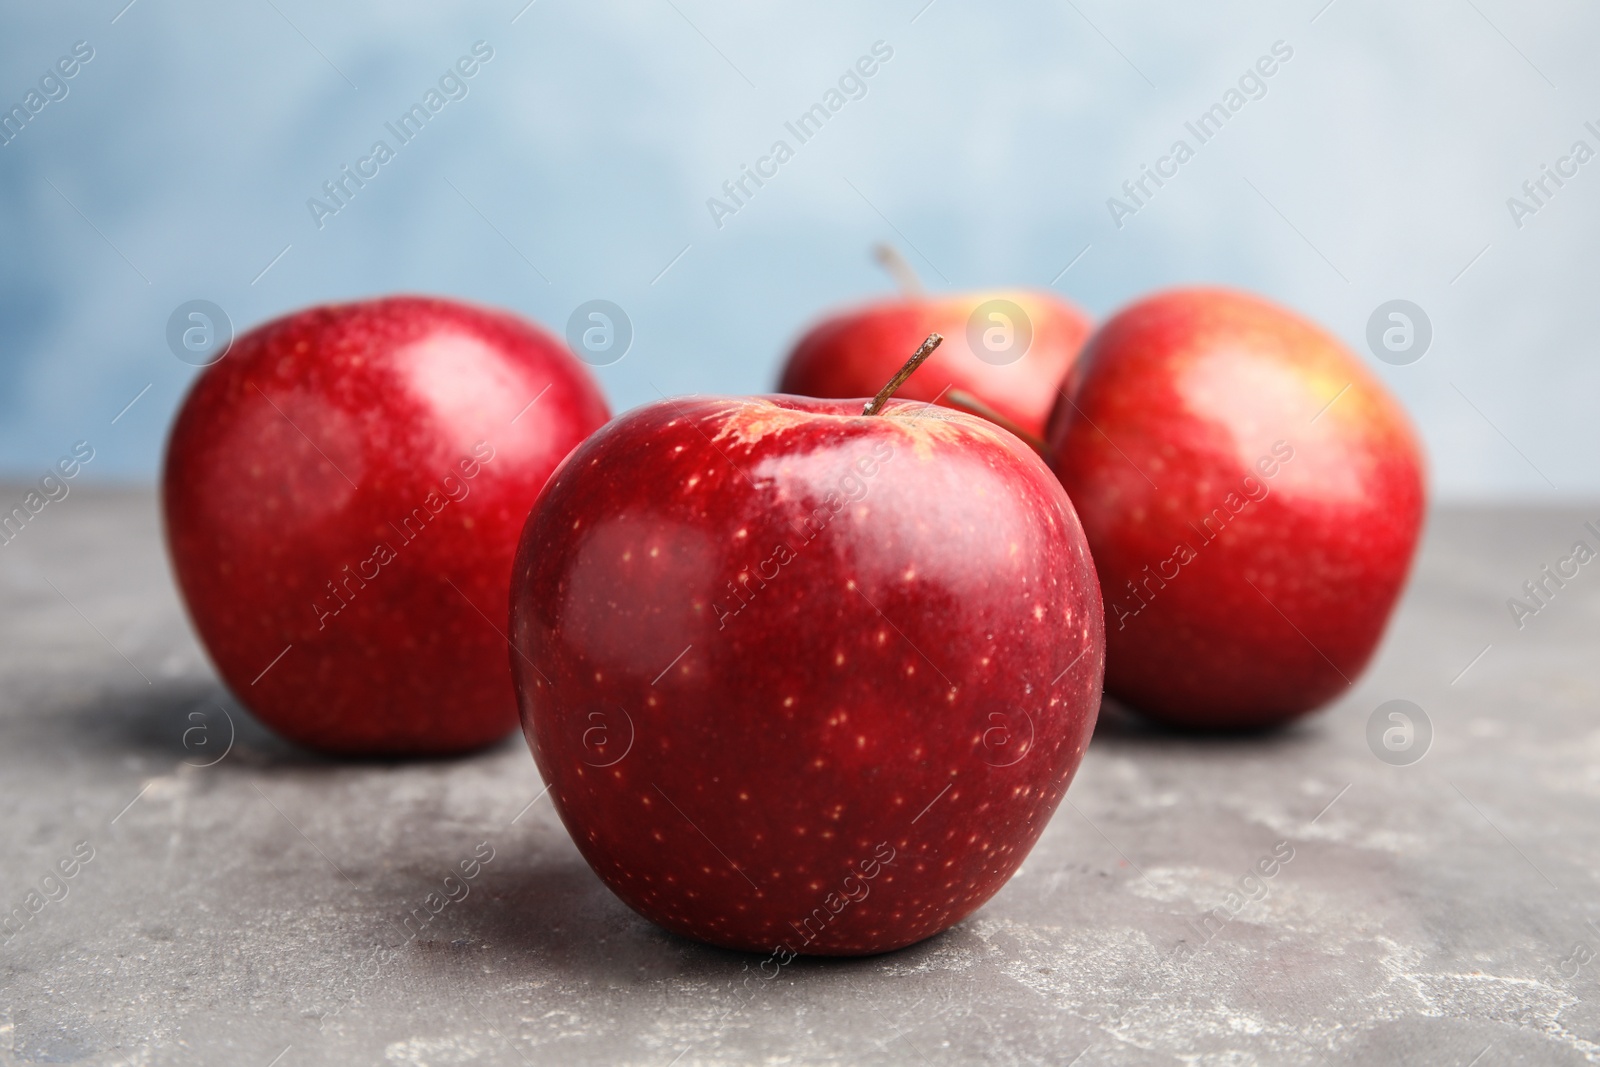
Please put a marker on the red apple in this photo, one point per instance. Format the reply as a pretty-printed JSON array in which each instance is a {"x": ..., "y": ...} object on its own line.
[
  {"x": 1025, "y": 344},
  {"x": 1253, "y": 498},
  {"x": 343, "y": 493},
  {"x": 803, "y": 680}
]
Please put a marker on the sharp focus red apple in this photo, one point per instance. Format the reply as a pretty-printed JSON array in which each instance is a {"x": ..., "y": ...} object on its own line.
[
  {"x": 343, "y": 493},
  {"x": 1253, "y": 497},
  {"x": 803, "y": 680},
  {"x": 1018, "y": 362}
]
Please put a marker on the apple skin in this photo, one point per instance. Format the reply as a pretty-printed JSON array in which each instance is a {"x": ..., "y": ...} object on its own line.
[
  {"x": 855, "y": 746},
  {"x": 852, "y": 353},
  {"x": 403, "y": 397},
  {"x": 1187, "y": 402}
]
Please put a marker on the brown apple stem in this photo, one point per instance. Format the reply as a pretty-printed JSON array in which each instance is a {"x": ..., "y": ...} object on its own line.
[
  {"x": 960, "y": 398},
  {"x": 875, "y": 405},
  {"x": 890, "y": 259}
]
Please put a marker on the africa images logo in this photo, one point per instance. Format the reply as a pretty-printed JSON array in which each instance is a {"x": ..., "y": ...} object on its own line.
[
  {"x": 1252, "y": 85},
  {"x": 452, "y": 85},
  {"x": 1251, "y": 491},
  {"x": 852, "y": 85}
]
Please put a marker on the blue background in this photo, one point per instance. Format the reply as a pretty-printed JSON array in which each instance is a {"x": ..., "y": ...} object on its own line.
[{"x": 1377, "y": 166}]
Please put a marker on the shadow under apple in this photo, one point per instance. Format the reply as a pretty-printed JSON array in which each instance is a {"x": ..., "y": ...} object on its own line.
[
  {"x": 1120, "y": 724},
  {"x": 192, "y": 721}
]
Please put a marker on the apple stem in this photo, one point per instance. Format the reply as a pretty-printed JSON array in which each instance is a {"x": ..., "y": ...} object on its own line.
[
  {"x": 890, "y": 259},
  {"x": 960, "y": 398},
  {"x": 875, "y": 405}
]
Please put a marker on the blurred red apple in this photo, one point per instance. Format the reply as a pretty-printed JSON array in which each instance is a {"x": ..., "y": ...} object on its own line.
[
  {"x": 1008, "y": 350},
  {"x": 343, "y": 493},
  {"x": 1253, "y": 498},
  {"x": 804, "y": 680}
]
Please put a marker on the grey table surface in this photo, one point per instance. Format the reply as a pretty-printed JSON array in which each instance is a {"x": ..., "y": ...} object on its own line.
[{"x": 248, "y": 911}]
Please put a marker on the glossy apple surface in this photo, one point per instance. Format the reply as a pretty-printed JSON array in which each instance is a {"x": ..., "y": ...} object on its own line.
[
  {"x": 1253, "y": 497},
  {"x": 854, "y": 352},
  {"x": 343, "y": 494},
  {"x": 803, "y": 680}
]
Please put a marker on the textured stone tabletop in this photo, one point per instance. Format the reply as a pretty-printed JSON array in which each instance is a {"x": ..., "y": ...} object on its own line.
[{"x": 249, "y": 904}]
